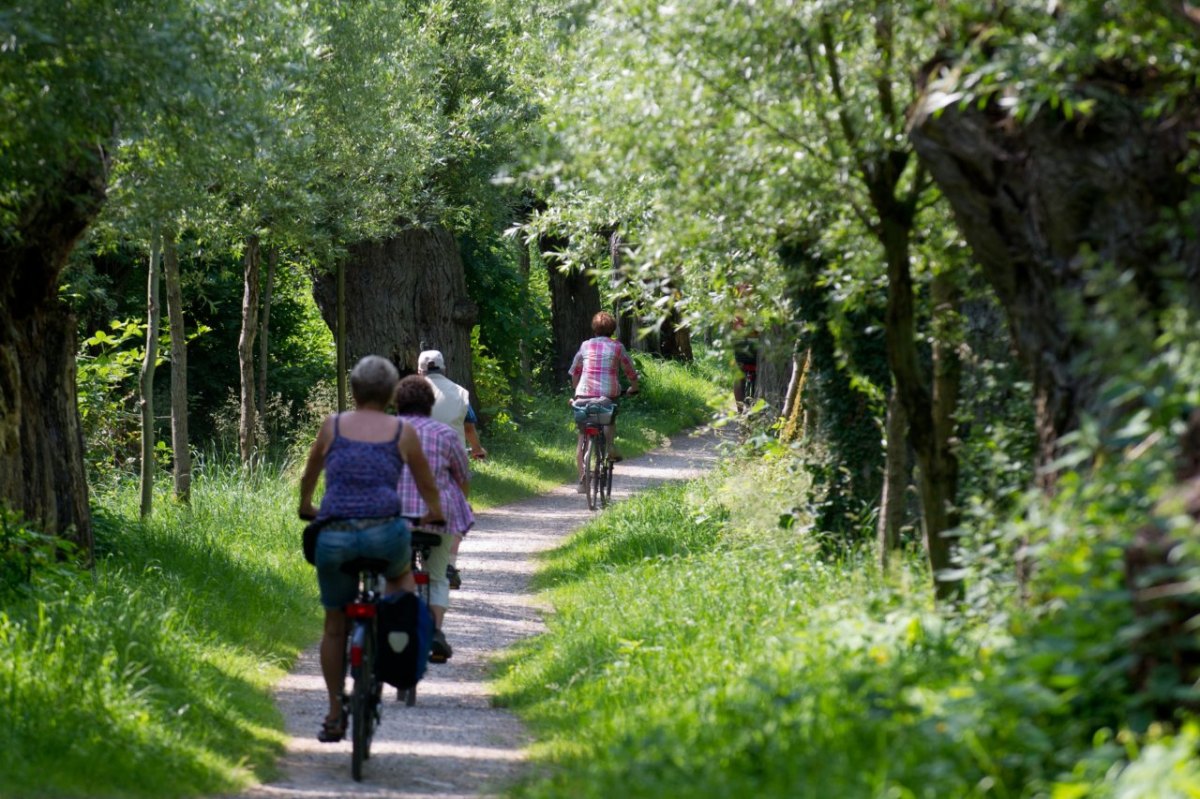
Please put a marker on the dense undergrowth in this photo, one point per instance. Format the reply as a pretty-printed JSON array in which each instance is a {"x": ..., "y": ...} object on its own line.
[
  {"x": 150, "y": 676},
  {"x": 698, "y": 650}
]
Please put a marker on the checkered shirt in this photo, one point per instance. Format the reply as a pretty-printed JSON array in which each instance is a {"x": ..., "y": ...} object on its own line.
[
  {"x": 596, "y": 365},
  {"x": 448, "y": 462}
]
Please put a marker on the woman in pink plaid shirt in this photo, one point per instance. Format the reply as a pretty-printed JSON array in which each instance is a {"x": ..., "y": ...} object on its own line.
[
  {"x": 448, "y": 461},
  {"x": 594, "y": 375}
]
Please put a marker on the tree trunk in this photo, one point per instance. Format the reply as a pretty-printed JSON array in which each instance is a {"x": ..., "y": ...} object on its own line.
[
  {"x": 1029, "y": 196},
  {"x": 264, "y": 329},
  {"x": 405, "y": 294},
  {"x": 42, "y": 471},
  {"x": 248, "y": 421},
  {"x": 796, "y": 409},
  {"x": 924, "y": 407},
  {"x": 895, "y": 480},
  {"x": 339, "y": 333},
  {"x": 523, "y": 344},
  {"x": 574, "y": 300},
  {"x": 149, "y": 360},
  {"x": 180, "y": 445}
]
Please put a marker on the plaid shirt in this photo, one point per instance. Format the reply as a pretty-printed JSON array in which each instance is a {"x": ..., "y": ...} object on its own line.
[
  {"x": 448, "y": 462},
  {"x": 596, "y": 366}
]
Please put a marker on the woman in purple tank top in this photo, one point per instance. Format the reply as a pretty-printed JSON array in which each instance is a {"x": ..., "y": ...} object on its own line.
[{"x": 362, "y": 453}]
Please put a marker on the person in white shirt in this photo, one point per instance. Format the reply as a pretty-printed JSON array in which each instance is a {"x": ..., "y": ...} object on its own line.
[{"x": 452, "y": 402}]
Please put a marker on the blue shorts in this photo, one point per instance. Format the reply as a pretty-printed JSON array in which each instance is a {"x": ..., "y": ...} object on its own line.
[{"x": 390, "y": 541}]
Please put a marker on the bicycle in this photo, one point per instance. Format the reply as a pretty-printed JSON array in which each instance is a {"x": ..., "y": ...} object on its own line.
[
  {"x": 363, "y": 702},
  {"x": 594, "y": 415},
  {"x": 423, "y": 542}
]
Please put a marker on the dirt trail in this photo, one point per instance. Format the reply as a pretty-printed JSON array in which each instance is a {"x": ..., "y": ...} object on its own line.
[{"x": 454, "y": 743}]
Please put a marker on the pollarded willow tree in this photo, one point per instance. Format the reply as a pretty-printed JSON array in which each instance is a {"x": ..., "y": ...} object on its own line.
[
  {"x": 71, "y": 90},
  {"x": 421, "y": 96},
  {"x": 1068, "y": 144}
]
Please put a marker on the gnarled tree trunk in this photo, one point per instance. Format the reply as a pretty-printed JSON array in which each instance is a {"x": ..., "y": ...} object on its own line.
[
  {"x": 41, "y": 440},
  {"x": 1028, "y": 196},
  {"x": 405, "y": 294}
]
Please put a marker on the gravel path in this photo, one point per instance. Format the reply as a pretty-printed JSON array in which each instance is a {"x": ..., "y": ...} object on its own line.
[{"x": 453, "y": 743}]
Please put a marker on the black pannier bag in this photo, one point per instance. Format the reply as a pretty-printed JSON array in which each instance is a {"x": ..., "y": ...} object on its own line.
[{"x": 405, "y": 629}]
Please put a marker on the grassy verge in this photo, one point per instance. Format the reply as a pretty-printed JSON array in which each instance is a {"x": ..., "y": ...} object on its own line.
[
  {"x": 696, "y": 651},
  {"x": 151, "y": 676}
]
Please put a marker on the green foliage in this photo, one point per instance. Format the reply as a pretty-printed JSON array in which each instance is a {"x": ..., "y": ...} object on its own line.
[
  {"x": 107, "y": 368},
  {"x": 514, "y": 306},
  {"x": 1062, "y": 61},
  {"x": 151, "y": 676},
  {"x": 698, "y": 650},
  {"x": 846, "y": 386},
  {"x": 26, "y": 551},
  {"x": 492, "y": 389}
]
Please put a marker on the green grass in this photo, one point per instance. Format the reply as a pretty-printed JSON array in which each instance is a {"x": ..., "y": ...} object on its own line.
[
  {"x": 698, "y": 651},
  {"x": 151, "y": 677}
]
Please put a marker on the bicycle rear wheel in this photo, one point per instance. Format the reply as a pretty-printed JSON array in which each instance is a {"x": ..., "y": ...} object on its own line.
[
  {"x": 591, "y": 471},
  {"x": 363, "y": 700}
]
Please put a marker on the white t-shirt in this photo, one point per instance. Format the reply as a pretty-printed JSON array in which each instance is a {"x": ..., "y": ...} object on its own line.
[{"x": 450, "y": 402}]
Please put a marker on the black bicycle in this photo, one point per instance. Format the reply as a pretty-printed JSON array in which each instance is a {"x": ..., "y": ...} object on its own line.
[{"x": 363, "y": 701}]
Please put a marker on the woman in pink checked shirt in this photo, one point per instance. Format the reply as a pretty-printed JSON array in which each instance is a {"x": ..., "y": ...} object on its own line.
[
  {"x": 594, "y": 375},
  {"x": 448, "y": 462}
]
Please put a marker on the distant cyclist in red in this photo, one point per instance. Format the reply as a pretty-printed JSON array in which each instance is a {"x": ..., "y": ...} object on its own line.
[{"x": 594, "y": 375}]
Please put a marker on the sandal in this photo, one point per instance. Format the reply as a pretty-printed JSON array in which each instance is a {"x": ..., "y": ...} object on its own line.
[{"x": 332, "y": 730}]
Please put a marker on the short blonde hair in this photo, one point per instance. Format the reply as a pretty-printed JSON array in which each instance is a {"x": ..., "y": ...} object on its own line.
[{"x": 373, "y": 379}]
